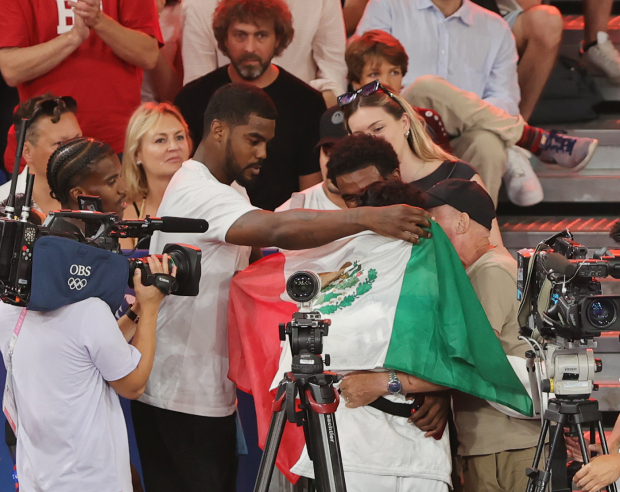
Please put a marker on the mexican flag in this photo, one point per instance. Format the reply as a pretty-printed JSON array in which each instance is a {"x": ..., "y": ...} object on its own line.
[{"x": 392, "y": 305}]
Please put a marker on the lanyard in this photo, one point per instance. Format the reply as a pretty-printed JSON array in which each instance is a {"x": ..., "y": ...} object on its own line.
[
  {"x": 16, "y": 331},
  {"x": 9, "y": 405}
]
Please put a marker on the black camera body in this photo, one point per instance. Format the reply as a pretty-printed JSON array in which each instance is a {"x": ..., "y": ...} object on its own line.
[
  {"x": 560, "y": 291},
  {"x": 17, "y": 240},
  {"x": 187, "y": 260},
  {"x": 97, "y": 229}
]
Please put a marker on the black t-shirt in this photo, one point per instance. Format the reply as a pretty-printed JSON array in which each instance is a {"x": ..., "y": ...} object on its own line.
[
  {"x": 447, "y": 170},
  {"x": 292, "y": 151}
]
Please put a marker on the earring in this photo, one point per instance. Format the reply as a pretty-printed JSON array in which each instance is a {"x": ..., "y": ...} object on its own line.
[
  {"x": 408, "y": 133},
  {"x": 139, "y": 163}
]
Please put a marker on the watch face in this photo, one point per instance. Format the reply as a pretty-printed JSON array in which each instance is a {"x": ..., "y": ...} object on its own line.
[{"x": 395, "y": 386}]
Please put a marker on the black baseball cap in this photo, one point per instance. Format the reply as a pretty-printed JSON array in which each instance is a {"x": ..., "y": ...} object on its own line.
[
  {"x": 332, "y": 126},
  {"x": 465, "y": 196}
]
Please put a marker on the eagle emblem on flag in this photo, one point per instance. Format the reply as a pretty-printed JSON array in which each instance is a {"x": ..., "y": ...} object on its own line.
[{"x": 340, "y": 289}]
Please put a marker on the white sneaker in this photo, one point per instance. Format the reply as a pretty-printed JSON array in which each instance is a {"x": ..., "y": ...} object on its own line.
[
  {"x": 604, "y": 56},
  {"x": 522, "y": 184}
]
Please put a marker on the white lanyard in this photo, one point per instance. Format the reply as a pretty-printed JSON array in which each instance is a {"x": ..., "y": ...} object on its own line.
[{"x": 9, "y": 406}]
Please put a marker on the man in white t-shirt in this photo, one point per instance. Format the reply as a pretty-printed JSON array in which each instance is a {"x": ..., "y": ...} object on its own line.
[
  {"x": 185, "y": 421},
  {"x": 324, "y": 195},
  {"x": 68, "y": 366}
]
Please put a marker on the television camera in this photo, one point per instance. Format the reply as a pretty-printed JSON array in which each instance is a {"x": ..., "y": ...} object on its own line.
[
  {"x": 562, "y": 312},
  {"x": 18, "y": 238}
]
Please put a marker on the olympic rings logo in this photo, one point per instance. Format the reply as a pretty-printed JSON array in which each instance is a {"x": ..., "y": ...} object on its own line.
[{"x": 77, "y": 283}]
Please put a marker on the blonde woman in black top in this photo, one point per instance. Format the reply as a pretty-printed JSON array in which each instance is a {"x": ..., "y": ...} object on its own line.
[
  {"x": 156, "y": 145},
  {"x": 376, "y": 110}
]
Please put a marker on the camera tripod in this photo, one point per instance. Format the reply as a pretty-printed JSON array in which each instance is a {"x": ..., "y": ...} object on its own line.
[
  {"x": 319, "y": 402},
  {"x": 571, "y": 412}
]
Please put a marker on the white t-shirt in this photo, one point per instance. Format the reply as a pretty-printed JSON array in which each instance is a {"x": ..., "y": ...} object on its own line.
[
  {"x": 190, "y": 371},
  {"x": 71, "y": 430},
  {"x": 313, "y": 198}
]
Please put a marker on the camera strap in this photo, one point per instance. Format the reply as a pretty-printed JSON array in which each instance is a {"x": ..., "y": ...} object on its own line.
[{"x": 9, "y": 405}]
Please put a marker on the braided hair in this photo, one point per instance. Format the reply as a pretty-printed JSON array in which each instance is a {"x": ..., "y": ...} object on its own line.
[{"x": 71, "y": 162}]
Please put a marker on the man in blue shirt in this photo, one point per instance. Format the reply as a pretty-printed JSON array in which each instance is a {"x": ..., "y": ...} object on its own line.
[{"x": 464, "y": 43}]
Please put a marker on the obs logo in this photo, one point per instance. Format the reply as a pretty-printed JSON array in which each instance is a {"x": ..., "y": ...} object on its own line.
[
  {"x": 81, "y": 270},
  {"x": 78, "y": 283}
]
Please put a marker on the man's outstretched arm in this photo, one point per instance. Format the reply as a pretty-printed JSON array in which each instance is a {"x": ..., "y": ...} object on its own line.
[{"x": 303, "y": 229}]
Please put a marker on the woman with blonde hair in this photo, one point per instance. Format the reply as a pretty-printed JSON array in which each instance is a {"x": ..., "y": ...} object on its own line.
[
  {"x": 156, "y": 145},
  {"x": 377, "y": 110}
]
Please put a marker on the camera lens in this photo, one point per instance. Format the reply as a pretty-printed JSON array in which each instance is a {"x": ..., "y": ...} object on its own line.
[
  {"x": 303, "y": 286},
  {"x": 601, "y": 313}
]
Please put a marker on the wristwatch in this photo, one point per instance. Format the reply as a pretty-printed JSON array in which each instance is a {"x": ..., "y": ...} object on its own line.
[
  {"x": 132, "y": 315},
  {"x": 394, "y": 384}
]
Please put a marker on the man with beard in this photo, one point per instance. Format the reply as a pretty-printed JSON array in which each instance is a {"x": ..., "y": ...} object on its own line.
[
  {"x": 185, "y": 421},
  {"x": 251, "y": 33}
]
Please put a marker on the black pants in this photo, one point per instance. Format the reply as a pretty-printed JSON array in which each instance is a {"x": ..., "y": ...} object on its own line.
[{"x": 182, "y": 452}]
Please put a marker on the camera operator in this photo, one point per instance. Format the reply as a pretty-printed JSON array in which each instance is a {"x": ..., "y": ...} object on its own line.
[
  {"x": 68, "y": 366},
  {"x": 185, "y": 422},
  {"x": 85, "y": 166}
]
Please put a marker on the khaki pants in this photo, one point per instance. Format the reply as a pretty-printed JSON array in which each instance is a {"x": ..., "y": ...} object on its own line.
[
  {"x": 479, "y": 132},
  {"x": 499, "y": 472}
]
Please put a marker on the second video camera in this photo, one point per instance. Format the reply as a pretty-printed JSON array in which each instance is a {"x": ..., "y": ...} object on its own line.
[{"x": 560, "y": 291}]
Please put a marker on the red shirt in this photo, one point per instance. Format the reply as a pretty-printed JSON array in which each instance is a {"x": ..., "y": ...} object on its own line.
[{"x": 106, "y": 88}]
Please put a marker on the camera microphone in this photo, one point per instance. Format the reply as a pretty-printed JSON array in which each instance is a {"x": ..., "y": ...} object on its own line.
[
  {"x": 559, "y": 264},
  {"x": 163, "y": 224},
  {"x": 178, "y": 224}
]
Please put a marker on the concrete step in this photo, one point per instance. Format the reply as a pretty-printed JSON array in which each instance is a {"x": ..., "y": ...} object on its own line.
[
  {"x": 526, "y": 232},
  {"x": 599, "y": 182},
  {"x": 590, "y": 185},
  {"x": 571, "y": 39}
]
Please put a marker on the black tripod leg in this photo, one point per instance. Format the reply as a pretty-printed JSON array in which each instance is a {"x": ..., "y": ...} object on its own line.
[
  {"x": 558, "y": 433},
  {"x": 559, "y": 471},
  {"x": 323, "y": 434},
  {"x": 276, "y": 429},
  {"x": 601, "y": 431},
  {"x": 582, "y": 444},
  {"x": 539, "y": 449}
]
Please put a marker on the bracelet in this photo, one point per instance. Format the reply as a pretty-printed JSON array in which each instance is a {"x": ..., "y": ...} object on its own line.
[{"x": 132, "y": 315}]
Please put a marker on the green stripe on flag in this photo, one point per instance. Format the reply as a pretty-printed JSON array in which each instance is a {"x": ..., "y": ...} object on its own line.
[{"x": 441, "y": 333}]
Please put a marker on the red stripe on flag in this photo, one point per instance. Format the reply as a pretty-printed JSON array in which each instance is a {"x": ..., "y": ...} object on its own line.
[{"x": 255, "y": 310}]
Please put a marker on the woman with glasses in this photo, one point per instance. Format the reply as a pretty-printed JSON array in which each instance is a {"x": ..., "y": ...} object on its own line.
[
  {"x": 376, "y": 110},
  {"x": 156, "y": 145}
]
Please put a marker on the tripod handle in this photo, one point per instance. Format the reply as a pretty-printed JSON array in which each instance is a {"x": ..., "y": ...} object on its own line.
[{"x": 328, "y": 407}]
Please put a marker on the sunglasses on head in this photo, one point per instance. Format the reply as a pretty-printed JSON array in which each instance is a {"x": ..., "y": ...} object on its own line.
[{"x": 367, "y": 90}]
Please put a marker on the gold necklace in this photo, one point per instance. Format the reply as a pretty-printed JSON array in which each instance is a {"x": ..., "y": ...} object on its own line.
[
  {"x": 140, "y": 216},
  {"x": 419, "y": 171}
]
